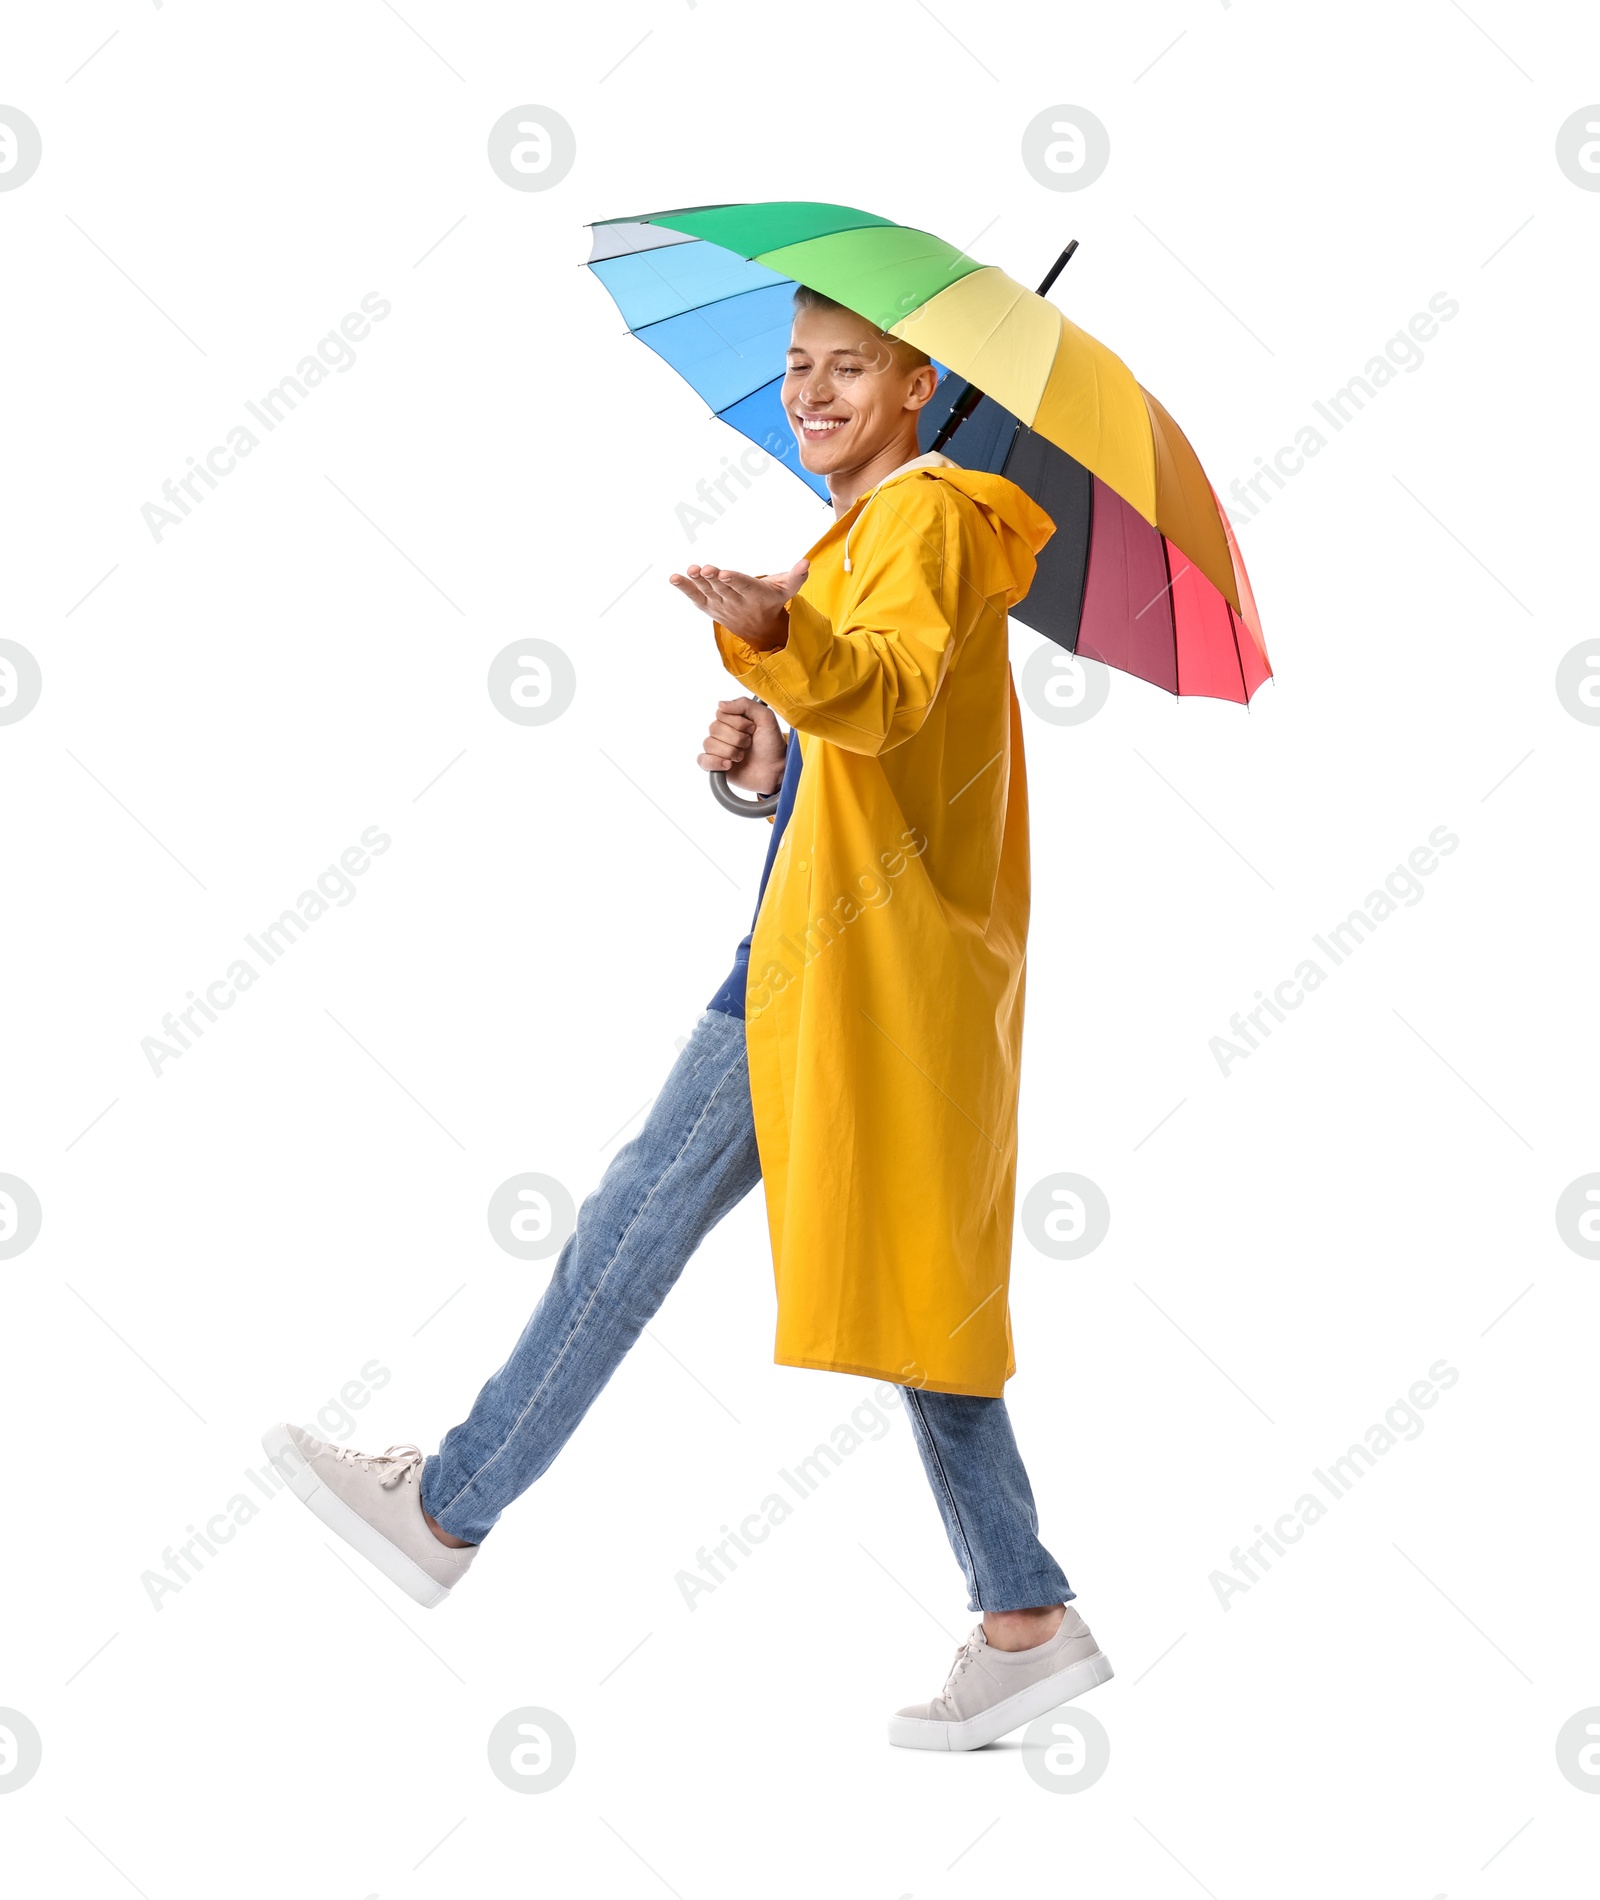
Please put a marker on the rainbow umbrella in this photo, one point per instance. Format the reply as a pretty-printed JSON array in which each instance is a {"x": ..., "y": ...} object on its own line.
[{"x": 1143, "y": 571}]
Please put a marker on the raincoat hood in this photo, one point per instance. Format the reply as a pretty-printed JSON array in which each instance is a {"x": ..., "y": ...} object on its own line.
[{"x": 1020, "y": 526}]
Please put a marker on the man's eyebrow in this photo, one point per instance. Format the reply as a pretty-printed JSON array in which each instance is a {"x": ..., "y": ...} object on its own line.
[{"x": 862, "y": 349}]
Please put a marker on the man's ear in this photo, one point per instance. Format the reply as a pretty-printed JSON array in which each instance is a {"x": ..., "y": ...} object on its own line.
[{"x": 924, "y": 391}]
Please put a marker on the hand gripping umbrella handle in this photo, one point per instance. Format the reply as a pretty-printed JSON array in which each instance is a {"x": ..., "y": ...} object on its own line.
[{"x": 730, "y": 800}]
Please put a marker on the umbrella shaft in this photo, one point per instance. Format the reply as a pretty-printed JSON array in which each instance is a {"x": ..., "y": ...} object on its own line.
[
  {"x": 1057, "y": 268},
  {"x": 971, "y": 396}
]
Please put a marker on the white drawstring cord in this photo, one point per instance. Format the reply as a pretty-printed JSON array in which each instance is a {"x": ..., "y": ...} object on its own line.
[
  {"x": 852, "y": 528},
  {"x": 922, "y": 461}
]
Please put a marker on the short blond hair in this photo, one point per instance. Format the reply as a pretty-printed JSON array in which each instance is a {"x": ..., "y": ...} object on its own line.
[{"x": 909, "y": 357}]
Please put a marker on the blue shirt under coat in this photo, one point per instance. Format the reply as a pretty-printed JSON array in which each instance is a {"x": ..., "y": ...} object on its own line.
[{"x": 730, "y": 998}]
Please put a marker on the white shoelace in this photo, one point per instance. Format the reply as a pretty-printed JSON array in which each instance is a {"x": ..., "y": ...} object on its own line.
[
  {"x": 964, "y": 1655},
  {"x": 405, "y": 1462}
]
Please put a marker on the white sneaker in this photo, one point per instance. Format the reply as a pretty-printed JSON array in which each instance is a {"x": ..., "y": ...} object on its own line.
[
  {"x": 373, "y": 1500},
  {"x": 989, "y": 1691}
]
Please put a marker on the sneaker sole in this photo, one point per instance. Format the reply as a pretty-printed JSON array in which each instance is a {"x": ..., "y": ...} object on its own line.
[
  {"x": 1027, "y": 1705},
  {"x": 289, "y": 1461}
]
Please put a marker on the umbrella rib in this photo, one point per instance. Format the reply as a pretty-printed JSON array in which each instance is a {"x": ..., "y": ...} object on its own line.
[
  {"x": 989, "y": 334},
  {"x": 1088, "y": 556},
  {"x": 1233, "y": 628},
  {"x": 645, "y": 258},
  {"x": 722, "y": 413},
  {"x": 699, "y": 310}
]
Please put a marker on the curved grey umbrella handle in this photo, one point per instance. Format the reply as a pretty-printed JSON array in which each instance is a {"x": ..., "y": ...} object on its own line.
[{"x": 730, "y": 800}]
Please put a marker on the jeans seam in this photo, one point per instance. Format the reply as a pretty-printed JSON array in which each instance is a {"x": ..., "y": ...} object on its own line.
[
  {"x": 955, "y": 1512},
  {"x": 605, "y": 1274}
]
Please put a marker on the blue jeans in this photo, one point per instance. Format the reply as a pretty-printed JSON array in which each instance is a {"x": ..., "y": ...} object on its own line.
[{"x": 694, "y": 1159}]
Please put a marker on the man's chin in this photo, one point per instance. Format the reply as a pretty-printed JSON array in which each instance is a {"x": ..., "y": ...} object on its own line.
[{"x": 821, "y": 458}]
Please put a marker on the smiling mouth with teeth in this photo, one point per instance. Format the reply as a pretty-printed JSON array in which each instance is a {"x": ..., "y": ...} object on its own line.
[{"x": 822, "y": 425}]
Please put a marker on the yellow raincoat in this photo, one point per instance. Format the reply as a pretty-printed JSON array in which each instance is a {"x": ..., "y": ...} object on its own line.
[{"x": 884, "y": 1006}]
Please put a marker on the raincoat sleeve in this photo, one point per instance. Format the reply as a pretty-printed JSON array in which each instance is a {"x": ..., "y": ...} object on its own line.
[{"x": 865, "y": 682}]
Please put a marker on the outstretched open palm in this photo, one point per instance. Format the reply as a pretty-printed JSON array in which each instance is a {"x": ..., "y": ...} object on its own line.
[{"x": 750, "y": 605}]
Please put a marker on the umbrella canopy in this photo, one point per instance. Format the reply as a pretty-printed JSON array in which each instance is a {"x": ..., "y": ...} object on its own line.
[{"x": 1143, "y": 572}]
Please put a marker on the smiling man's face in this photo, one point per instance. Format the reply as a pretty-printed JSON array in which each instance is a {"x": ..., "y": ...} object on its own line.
[{"x": 850, "y": 392}]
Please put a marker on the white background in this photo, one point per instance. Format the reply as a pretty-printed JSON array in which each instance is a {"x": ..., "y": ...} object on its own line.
[{"x": 226, "y": 710}]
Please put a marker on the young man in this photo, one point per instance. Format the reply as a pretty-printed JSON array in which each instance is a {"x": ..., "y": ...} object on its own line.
[{"x": 861, "y": 1059}]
